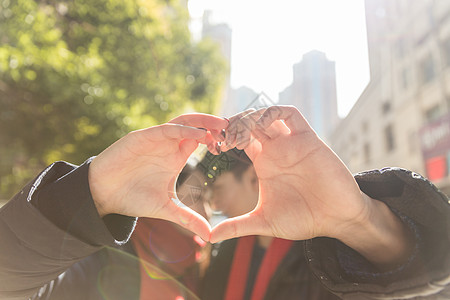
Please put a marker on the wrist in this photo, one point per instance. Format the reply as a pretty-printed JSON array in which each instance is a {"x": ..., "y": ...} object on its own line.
[
  {"x": 380, "y": 236},
  {"x": 96, "y": 191}
]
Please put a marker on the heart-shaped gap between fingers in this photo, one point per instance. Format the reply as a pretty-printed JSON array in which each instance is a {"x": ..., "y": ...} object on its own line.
[{"x": 218, "y": 187}]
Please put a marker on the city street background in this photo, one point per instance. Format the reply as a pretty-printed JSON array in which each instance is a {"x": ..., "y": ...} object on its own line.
[{"x": 371, "y": 77}]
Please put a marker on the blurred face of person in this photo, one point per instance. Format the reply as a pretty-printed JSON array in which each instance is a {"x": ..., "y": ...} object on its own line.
[{"x": 233, "y": 196}]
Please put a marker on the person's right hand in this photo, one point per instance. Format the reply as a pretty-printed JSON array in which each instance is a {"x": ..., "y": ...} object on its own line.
[
  {"x": 136, "y": 175},
  {"x": 306, "y": 191}
]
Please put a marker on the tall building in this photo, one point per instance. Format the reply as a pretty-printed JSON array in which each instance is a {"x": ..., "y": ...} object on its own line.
[
  {"x": 238, "y": 100},
  {"x": 221, "y": 34},
  {"x": 403, "y": 116},
  {"x": 313, "y": 92},
  {"x": 233, "y": 100}
]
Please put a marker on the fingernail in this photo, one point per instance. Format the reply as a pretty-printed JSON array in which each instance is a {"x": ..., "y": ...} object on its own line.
[{"x": 220, "y": 136}]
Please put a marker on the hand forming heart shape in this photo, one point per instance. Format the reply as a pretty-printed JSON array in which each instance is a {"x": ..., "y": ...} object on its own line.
[
  {"x": 304, "y": 188},
  {"x": 133, "y": 176}
]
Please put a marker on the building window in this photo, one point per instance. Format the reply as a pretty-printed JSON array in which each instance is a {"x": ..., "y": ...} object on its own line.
[
  {"x": 365, "y": 127},
  {"x": 405, "y": 78},
  {"x": 366, "y": 152},
  {"x": 446, "y": 50},
  {"x": 430, "y": 16},
  {"x": 386, "y": 107},
  {"x": 427, "y": 69},
  {"x": 400, "y": 48},
  {"x": 433, "y": 113},
  {"x": 389, "y": 138},
  {"x": 413, "y": 141}
]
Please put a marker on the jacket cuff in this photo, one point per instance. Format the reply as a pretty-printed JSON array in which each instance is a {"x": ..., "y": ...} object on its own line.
[
  {"x": 25, "y": 223},
  {"x": 360, "y": 269},
  {"x": 425, "y": 209},
  {"x": 62, "y": 194}
]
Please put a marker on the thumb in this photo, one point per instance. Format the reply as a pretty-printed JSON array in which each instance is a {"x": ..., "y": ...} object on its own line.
[
  {"x": 189, "y": 219},
  {"x": 187, "y": 147},
  {"x": 248, "y": 224}
]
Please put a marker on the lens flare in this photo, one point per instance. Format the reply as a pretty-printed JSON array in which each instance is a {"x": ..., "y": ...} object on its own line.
[{"x": 125, "y": 273}]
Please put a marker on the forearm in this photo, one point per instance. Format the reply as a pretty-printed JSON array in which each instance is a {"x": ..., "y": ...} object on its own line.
[
  {"x": 46, "y": 228},
  {"x": 425, "y": 211},
  {"x": 33, "y": 250},
  {"x": 65, "y": 199},
  {"x": 383, "y": 238}
]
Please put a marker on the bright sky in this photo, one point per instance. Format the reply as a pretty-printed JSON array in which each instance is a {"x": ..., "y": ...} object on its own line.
[{"x": 269, "y": 37}]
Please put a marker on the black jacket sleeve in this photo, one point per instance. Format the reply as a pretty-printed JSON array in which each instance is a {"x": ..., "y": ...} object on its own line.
[
  {"x": 50, "y": 225},
  {"x": 426, "y": 274}
]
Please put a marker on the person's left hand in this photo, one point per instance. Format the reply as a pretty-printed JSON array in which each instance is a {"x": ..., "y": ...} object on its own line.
[{"x": 136, "y": 175}]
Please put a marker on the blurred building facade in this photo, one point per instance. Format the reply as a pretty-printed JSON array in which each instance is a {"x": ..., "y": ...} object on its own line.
[
  {"x": 313, "y": 92},
  {"x": 403, "y": 116},
  {"x": 239, "y": 100}
]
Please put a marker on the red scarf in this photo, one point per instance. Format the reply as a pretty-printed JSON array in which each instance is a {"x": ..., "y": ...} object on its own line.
[
  {"x": 167, "y": 256},
  {"x": 237, "y": 280}
]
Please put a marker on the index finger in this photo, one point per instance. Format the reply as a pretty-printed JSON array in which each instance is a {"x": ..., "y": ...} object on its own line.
[
  {"x": 171, "y": 131},
  {"x": 291, "y": 116},
  {"x": 209, "y": 122}
]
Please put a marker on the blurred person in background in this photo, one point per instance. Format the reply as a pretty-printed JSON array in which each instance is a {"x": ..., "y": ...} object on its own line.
[
  {"x": 180, "y": 257},
  {"x": 252, "y": 266}
]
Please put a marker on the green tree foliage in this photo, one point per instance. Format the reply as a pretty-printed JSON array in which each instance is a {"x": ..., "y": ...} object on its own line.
[{"x": 77, "y": 75}]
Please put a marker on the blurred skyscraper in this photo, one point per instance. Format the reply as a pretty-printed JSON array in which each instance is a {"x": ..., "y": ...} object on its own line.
[
  {"x": 313, "y": 92},
  {"x": 239, "y": 100},
  {"x": 403, "y": 116},
  {"x": 221, "y": 34},
  {"x": 233, "y": 100}
]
